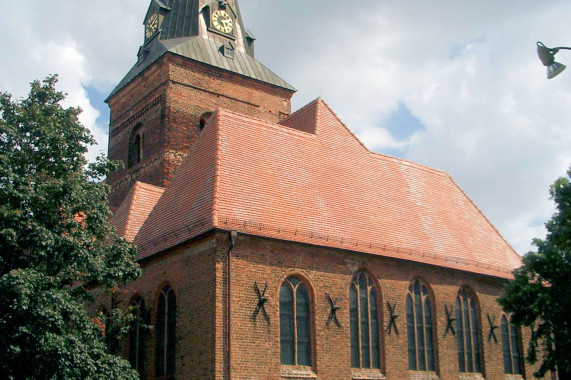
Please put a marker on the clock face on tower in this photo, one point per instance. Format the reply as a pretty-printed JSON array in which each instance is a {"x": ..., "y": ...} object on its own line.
[
  {"x": 222, "y": 21},
  {"x": 152, "y": 25}
]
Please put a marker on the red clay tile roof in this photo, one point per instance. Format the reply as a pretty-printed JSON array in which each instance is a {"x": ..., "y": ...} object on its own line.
[
  {"x": 133, "y": 212},
  {"x": 311, "y": 180}
]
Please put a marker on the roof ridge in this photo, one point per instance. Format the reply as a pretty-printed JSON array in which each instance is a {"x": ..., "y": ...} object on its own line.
[
  {"x": 266, "y": 123},
  {"x": 410, "y": 163},
  {"x": 299, "y": 111},
  {"x": 322, "y": 101},
  {"x": 382, "y": 155}
]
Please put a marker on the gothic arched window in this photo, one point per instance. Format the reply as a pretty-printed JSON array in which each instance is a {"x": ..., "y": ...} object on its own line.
[
  {"x": 295, "y": 327},
  {"x": 510, "y": 344},
  {"x": 137, "y": 337},
  {"x": 468, "y": 333},
  {"x": 166, "y": 334},
  {"x": 419, "y": 324},
  {"x": 135, "y": 147},
  {"x": 364, "y": 323}
]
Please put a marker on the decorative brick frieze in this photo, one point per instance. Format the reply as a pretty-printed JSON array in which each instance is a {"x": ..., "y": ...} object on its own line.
[{"x": 133, "y": 119}]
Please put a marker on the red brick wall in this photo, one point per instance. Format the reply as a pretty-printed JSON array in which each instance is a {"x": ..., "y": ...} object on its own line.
[
  {"x": 256, "y": 345},
  {"x": 197, "y": 272}
]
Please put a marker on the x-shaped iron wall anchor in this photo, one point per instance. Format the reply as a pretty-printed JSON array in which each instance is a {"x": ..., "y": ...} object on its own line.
[
  {"x": 332, "y": 311},
  {"x": 262, "y": 299},
  {"x": 450, "y": 320},
  {"x": 393, "y": 320},
  {"x": 493, "y": 327}
]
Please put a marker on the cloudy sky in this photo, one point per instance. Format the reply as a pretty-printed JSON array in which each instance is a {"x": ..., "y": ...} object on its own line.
[{"x": 455, "y": 85}]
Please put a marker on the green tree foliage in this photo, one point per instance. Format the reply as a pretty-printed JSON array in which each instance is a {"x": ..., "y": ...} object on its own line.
[
  {"x": 56, "y": 243},
  {"x": 540, "y": 295}
]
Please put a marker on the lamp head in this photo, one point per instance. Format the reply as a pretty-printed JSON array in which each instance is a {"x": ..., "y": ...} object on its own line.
[
  {"x": 547, "y": 57},
  {"x": 555, "y": 69}
]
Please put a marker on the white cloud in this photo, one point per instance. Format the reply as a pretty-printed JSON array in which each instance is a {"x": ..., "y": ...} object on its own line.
[{"x": 77, "y": 40}]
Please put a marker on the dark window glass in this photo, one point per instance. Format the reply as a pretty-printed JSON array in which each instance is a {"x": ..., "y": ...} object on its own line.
[
  {"x": 137, "y": 337},
  {"x": 475, "y": 336},
  {"x": 295, "y": 327},
  {"x": 468, "y": 333},
  {"x": 107, "y": 329},
  {"x": 166, "y": 334},
  {"x": 419, "y": 328},
  {"x": 135, "y": 147},
  {"x": 411, "y": 333},
  {"x": 460, "y": 336},
  {"x": 302, "y": 326},
  {"x": 515, "y": 339},
  {"x": 429, "y": 334},
  {"x": 510, "y": 345},
  {"x": 364, "y": 323},
  {"x": 506, "y": 346},
  {"x": 375, "y": 346},
  {"x": 171, "y": 333},
  {"x": 354, "y": 326},
  {"x": 364, "y": 315}
]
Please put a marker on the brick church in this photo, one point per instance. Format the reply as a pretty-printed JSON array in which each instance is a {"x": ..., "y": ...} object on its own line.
[{"x": 274, "y": 244}]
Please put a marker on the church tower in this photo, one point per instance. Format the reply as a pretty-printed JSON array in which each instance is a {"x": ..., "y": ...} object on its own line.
[{"x": 197, "y": 56}]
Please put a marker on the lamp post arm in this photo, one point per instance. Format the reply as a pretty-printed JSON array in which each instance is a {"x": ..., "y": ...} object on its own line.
[{"x": 547, "y": 55}]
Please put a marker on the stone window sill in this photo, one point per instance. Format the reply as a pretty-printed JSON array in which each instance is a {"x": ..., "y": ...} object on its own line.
[
  {"x": 294, "y": 373},
  {"x": 422, "y": 375},
  {"x": 510, "y": 376},
  {"x": 471, "y": 376},
  {"x": 367, "y": 374}
]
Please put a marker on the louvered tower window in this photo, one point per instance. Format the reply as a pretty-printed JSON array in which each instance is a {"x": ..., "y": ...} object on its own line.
[
  {"x": 364, "y": 323},
  {"x": 510, "y": 344},
  {"x": 419, "y": 328},
  {"x": 135, "y": 146},
  {"x": 295, "y": 328},
  {"x": 137, "y": 337},
  {"x": 165, "y": 352},
  {"x": 468, "y": 333}
]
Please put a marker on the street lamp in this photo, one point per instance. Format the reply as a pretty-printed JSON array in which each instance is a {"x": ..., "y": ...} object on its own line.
[{"x": 547, "y": 57}]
